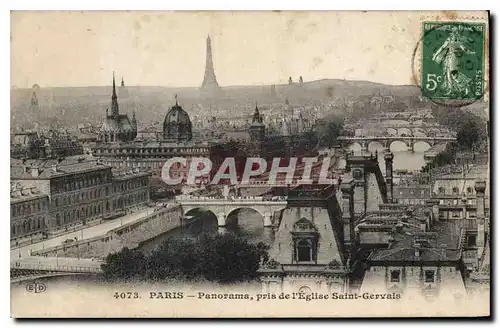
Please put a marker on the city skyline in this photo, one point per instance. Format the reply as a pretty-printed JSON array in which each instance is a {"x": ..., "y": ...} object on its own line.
[{"x": 147, "y": 48}]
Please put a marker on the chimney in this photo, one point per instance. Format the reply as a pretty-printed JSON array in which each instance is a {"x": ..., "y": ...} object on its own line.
[
  {"x": 423, "y": 224},
  {"x": 416, "y": 246},
  {"x": 389, "y": 158},
  {"x": 348, "y": 216},
  {"x": 480, "y": 187},
  {"x": 34, "y": 171},
  {"x": 434, "y": 205}
]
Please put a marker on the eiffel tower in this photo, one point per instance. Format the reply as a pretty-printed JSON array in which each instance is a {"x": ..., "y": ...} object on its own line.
[{"x": 209, "y": 81}]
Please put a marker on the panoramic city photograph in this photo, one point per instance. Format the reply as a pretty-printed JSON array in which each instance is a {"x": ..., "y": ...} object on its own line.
[{"x": 220, "y": 164}]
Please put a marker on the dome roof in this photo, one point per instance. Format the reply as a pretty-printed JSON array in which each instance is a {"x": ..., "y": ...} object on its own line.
[{"x": 177, "y": 124}]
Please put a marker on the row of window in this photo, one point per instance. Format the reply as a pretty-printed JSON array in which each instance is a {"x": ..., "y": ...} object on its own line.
[
  {"x": 77, "y": 214},
  {"x": 411, "y": 192},
  {"x": 96, "y": 210},
  {"x": 28, "y": 208},
  {"x": 42, "y": 205},
  {"x": 129, "y": 185},
  {"x": 82, "y": 182},
  {"x": 410, "y": 201},
  {"x": 98, "y": 193},
  {"x": 130, "y": 200},
  {"x": 80, "y": 197},
  {"x": 119, "y": 136},
  {"x": 455, "y": 190},
  {"x": 27, "y": 226},
  {"x": 33, "y": 225},
  {"x": 471, "y": 201},
  {"x": 443, "y": 215},
  {"x": 429, "y": 276},
  {"x": 132, "y": 151},
  {"x": 131, "y": 164}
]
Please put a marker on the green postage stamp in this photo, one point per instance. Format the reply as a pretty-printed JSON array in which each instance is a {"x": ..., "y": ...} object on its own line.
[{"x": 453, "y": 60}]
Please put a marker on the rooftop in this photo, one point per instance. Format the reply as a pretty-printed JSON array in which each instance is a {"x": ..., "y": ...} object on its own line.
[
  {"x": 125, "y": 173},
  {"x": 50, "y": 168},
  {"x": 19, "y": 193},
  {"x": 438, "y": 245},
  {"x": 471, "y": 173},
  {"x": 157, "y": 144}
]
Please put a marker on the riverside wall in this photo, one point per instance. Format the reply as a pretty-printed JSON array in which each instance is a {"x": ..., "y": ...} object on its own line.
[{"x": 129, "y": 235}]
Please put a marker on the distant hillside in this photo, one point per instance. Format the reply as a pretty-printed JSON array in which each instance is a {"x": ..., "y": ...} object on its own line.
[{"x": 90, "y": 103}]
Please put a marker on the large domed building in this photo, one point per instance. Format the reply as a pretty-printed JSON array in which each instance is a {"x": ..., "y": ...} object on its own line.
[{"x": 177, "y": 124}]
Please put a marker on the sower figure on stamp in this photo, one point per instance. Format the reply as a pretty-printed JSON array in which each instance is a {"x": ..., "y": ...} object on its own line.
[{"x": 448, "y": 54}]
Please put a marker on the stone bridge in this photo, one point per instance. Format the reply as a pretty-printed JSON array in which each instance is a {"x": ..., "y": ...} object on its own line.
[
  {"x": 223, "y": 207},
  {"x": 387, "y": 141},
  {"x": 406, "y": 115},
  {"x": 422, "y": 130}
]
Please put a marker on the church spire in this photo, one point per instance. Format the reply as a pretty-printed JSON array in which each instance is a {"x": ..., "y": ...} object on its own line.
[
  {"x": 115, "y": 112},
  {"x": 256, "y": 115}
]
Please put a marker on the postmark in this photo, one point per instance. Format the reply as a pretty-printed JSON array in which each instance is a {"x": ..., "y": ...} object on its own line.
[{"x": 452, "y": 62}]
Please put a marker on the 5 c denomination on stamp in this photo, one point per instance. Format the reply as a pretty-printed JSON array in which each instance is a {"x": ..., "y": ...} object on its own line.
[{"x": 453, "y": 60}]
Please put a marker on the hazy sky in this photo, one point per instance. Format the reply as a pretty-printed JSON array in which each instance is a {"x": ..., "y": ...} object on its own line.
[{"x": 168, "y": 49}]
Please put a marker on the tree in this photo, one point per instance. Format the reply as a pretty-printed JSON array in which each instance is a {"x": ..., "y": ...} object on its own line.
[
  {"x": 446, "y": 157},
  {"x": 470, "y": 128},
  {"x": 223, "y": 258},
  {"x": 176, "y": 257},
  {"x": 330, "y": 131},
  {"x": 126, "y": 264},
  {"x": 470, "y": 134},
  {"x": 228, "y": 258}
]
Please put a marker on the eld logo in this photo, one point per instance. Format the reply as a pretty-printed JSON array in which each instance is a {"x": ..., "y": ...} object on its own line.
[{"x": 35, "y": 287}]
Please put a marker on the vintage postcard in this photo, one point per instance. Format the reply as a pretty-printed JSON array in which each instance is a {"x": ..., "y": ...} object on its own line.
[{"x": 250, "y": 164}]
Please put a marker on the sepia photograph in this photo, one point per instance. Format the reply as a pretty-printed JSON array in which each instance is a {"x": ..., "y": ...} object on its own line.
[{"x": 250, "y": 164}]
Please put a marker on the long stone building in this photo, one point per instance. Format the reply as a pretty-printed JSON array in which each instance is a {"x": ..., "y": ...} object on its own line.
[{"x": 49, "y": 195}]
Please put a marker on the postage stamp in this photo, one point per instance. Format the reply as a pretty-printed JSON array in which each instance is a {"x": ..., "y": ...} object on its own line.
[{"x": 453, "y": 60}]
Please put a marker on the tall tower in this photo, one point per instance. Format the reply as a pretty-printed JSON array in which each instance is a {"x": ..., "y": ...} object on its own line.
[
  {"x": 209, "y": 80},
  {"x": 115, "y": 112},
  {"x": 34, "y": 100},
  {"x": 257, "y": 129},
  {"x": 33, "y": 114},
  {"x": 389, "y": 159}
]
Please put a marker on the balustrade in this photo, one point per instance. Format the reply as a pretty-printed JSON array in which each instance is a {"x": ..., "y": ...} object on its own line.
[
  {"x": 232, "y": 199},
  {"x": 62, "y": 268}
]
